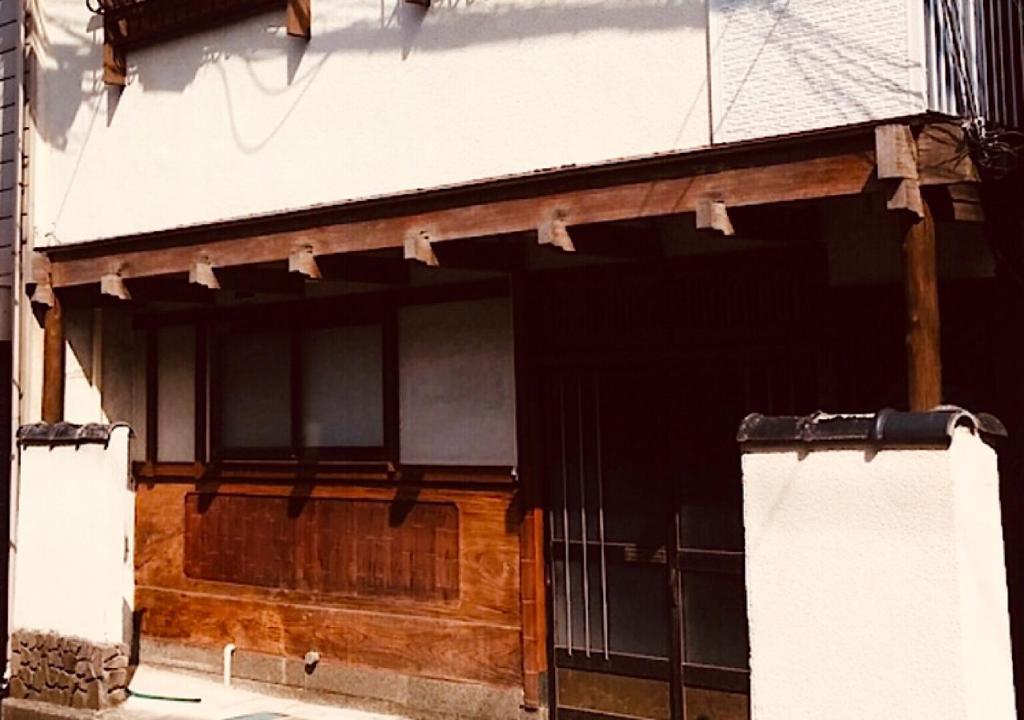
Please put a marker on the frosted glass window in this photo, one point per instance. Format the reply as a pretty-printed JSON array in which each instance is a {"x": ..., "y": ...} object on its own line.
[
  {"x": 176, "y": 395},
  {"x": 457, "y": 383},
  {"x": 255, "y": 391},
  {"x": 342, "y": 387}
]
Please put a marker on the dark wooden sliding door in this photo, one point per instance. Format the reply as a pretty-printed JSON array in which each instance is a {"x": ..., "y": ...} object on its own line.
[{"x": 645, "y": 534}]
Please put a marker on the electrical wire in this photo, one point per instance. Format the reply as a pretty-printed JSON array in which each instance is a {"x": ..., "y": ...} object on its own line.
[{"x": 996, "y": 151}]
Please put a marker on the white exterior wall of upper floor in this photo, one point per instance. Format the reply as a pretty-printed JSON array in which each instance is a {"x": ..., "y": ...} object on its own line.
[
  {"x": 787, "y": 66},
  {"x": 244, "y": 120}
]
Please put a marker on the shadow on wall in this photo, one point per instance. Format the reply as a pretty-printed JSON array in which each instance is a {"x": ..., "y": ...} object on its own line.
[
  {"x": 73, "y": 70},
  {"x": 105, "y": 379},
  {"x": 846, "y": 74}
]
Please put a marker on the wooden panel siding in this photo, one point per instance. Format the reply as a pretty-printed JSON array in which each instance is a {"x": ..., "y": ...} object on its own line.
[
  {"x": 329, "y": 545},
  {"x": 473, "y": 637}
]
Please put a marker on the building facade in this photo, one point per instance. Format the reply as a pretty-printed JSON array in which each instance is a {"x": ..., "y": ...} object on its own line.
[{"x": 434, "y": 323}]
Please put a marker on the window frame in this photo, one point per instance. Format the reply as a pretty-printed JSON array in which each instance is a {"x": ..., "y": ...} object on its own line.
[
  {"x": 130, "y": 25},
  {"x": 296, "y": 450},
  {"x": 360, "y": 308}
]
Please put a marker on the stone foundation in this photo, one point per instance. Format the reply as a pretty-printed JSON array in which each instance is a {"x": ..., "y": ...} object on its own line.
[{"x": 67, "y": 671}]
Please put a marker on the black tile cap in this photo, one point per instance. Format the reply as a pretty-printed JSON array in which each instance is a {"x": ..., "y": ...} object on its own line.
[
  {"x": 67, "y": 433},
  {"x": 886, "y": 427}
]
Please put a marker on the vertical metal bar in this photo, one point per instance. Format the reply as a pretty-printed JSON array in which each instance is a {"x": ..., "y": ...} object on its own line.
[
  {"x": 583, "y": 516},
  {"x": 1016, "y": 59},
  {"x": 932, "y": 54},
  {"x": 565, "y": 514},
  {"x": 983, "y": 55},
  {"x": 1000, "y": 61},
  {"x": 600, "y": 516},
  {"x": 974, "y": 57},
  {"x": 943, "y": 59}
]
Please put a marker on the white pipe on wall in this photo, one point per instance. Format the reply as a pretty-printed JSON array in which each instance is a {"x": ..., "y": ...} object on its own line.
[{"x": 229, "y": 650}]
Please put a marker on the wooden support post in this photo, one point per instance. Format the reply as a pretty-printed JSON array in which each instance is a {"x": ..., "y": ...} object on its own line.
[
  {"x": 532, "y": 586},
  {"x": 299, "y": 18},
  {"x": 53, "y": 363},
  {"x": 920, "y": 282}
]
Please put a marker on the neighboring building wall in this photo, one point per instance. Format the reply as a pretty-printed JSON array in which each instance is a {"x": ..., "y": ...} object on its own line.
[
  {"x": 243, "y": 119},
  {"x": 10, "y": 97},
  {"x": 786, "y": 66}
]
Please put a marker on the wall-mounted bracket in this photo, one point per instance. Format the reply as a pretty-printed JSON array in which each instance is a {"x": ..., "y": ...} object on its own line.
[{"x": 417, "y": 247}]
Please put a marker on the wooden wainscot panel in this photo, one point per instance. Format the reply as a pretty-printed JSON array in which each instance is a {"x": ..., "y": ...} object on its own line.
[
  {"x": 464, "y": 625},
  {"x": 429, "y": 647},
  {"x": 324, "y": 545}
]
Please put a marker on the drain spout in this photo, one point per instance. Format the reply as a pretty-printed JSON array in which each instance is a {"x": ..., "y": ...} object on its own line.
[{"x": 229, "y": 651}]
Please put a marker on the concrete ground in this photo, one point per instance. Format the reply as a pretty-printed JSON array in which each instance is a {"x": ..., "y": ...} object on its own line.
[{"x": 218, "y": 702}]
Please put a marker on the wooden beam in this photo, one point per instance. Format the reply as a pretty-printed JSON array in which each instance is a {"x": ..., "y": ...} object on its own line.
[
  {"x": 112, "y": 284},
  {"x": 847, "y": 173},
  {"x": 168, "y": 290},
  {"x": 555, "y": 232},
  {"x": 355, "y": 267},
  {"x": 641, "y": 241},
  {"x": 920, "y": 283},
  {"x": 485, "y": 255},
  {"x": 202, "y": 273},
  {"x": 944, "y": 156},
  {"x": 966, "y": 201},
  {"x": 714, "y": 215},
  {"x": 417, "y": 247},
  {"x": 53, "y": 363},
  {"x": 260, "y": 281},
  {"x": 299, "y": 18}
]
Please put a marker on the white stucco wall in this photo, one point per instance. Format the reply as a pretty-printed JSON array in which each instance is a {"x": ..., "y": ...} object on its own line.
[
  {"x": 786, "y": 66},
  {"x": 73, "y": 562},
  {"x": 246, "y": 120},
  {"x": 876, "y": 584}
]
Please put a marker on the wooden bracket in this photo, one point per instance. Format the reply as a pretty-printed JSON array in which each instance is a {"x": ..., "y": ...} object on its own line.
[
  {"x": 555, "y": 232},
  {"x": 299, "y": 18},
  {"x": 896, "y": 155},
  {"x": 202, "y": 273},
  {"x": 112, "y": 284},
  {"x": 43, "y": 294},
  {"x": 895, "y": 152},
  {"x": 714, "y": 215},
  {"x": 906, "y": 195},
  {"x": 417, "y": 247},
  {"x": 303, "y": 262}
]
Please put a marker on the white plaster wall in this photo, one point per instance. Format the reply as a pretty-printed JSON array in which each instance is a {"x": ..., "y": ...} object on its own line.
[
  {"x": 74, "y": 542},
  {"x": 876, "y": 584},
  {"x": 245, "y": 120},
  {"x": 786, "y": 66}
]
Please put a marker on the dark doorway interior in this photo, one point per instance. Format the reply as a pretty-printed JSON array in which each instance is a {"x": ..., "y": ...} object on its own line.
[{"x": 644, "y": 375}]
